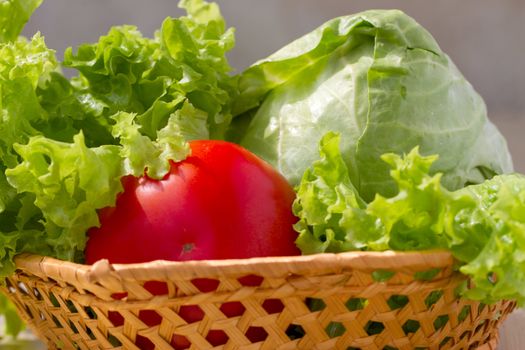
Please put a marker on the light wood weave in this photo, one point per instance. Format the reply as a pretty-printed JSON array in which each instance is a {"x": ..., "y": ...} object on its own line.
[{"x": 356, "y": 300}]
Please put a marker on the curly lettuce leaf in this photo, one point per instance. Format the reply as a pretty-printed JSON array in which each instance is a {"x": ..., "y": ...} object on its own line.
[
  {"x": 69, "y": 182},
  {"x": 155, "y": 77},
  {"x": 414, "y": 218},
  {"x": 141, "y": 154},
  {"x": 380, "y": 80},
  {"x": 482, "y": 225},
  {"x": 323, "y": 195},
  {"x": 498, "y": 271},
  {"x": 411, "y": 220},
  {"x": 13, "y": 16},
  {"x": 23, "y": 65}
]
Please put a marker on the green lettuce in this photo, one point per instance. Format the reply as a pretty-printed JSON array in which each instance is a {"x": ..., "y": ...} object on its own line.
[
  {"x": 154, "y": 78},
  {"x": 66, "y": 143},
  {"x": 482, "y": 225},
  {"x": 498, "y": 271},
  {"x": 13, "y": 16},
  {"x": 381, "y": 81}
]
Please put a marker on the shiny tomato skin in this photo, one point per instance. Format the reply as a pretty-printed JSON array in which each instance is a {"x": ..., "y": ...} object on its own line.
[{"x": 222, "y": 202}]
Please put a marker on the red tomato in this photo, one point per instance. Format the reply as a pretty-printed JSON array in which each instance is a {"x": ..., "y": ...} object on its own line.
[{"x": 222, "y": 202}]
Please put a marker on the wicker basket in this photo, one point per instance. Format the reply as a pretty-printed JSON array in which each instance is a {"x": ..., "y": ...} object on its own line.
[{"x": 329, "y": 301}]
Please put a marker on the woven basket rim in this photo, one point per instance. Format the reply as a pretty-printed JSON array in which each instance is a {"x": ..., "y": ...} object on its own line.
[
  {"x": 51, "y": 292},
  {"x": 319, "y": 264}
]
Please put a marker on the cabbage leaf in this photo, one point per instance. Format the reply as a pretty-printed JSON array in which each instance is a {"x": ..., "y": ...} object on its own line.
[{"x": 380, "y": 80}]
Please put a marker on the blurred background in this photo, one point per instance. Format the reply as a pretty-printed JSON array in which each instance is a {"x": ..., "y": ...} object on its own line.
[{"x": 485, "y": 38}]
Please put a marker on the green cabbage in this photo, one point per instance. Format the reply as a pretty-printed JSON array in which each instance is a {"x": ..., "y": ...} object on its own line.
[
  {"x": 380, "y": 80},
  {"x": 482, "y": 225}
]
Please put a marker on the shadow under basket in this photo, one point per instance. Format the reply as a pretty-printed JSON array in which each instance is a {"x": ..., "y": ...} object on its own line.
[{"x": 356, "y": 300}]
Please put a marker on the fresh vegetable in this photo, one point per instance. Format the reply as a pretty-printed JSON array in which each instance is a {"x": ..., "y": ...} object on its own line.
[
  {"x": 217, "y": 200},
  {"x": 482, "y": 225},
  {"x": 380, "y": 80},
  {"x": 66, "y": 143},
  {"x": 13, "y": 16}
]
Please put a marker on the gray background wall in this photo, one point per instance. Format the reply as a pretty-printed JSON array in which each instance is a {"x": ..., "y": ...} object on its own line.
[{"x": 485, "y": 38}]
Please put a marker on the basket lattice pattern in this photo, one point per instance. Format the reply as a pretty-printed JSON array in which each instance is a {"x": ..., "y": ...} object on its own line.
[{"x": 345, "y": 301}]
